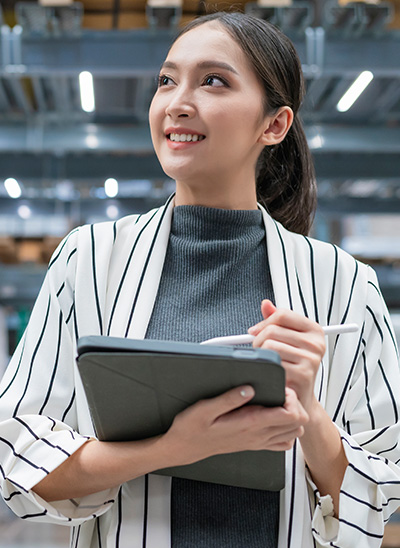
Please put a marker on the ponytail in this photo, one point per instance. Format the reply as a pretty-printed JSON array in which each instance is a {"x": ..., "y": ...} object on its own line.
[{"x": 285, "y": 181}]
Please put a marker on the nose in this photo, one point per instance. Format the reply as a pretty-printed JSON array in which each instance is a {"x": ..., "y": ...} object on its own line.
[{"x": 180, "y": 105}]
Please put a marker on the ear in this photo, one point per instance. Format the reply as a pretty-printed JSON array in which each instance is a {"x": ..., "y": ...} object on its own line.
[{"x": 277, "y": 126}]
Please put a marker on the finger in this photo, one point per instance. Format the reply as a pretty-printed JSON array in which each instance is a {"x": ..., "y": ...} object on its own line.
[
  {"x": 290, "y": 320},
  {"x": 267, "y": 309},
  {"x": 287, "y": 336},
  {"x": 292, "y": 355},
  {"x": 226, "y": 402}
]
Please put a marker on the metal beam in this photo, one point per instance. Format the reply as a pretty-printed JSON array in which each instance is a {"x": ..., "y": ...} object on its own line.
[{"x": 141, "y": 52}]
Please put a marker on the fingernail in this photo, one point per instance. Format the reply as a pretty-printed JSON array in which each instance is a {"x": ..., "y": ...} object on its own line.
[{"x": 247, "y": 391}]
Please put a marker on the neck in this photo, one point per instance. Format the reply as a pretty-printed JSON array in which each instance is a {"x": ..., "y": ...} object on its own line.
[{"x": 216, "y": 195}]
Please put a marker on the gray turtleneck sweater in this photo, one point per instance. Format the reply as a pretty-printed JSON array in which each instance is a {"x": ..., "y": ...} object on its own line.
[{"x": 214, "y": 278}]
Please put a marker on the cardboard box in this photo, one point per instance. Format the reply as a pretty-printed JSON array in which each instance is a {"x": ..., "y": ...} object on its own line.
[
  {"x": 56, "y": 3},
  {"x": 108, "y": 5},
  {"x": 104, "y": 21},
  {"x": 274, "y": 3},
  {"x": 164, "y": 3},
  {"x": 8, "y": 250},
  {"x": 345, "y": 2},
  {"x": 30, "y": 251}
]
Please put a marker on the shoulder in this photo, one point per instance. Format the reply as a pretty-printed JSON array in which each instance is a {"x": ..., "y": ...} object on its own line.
[{"x": 324, "y": 254}]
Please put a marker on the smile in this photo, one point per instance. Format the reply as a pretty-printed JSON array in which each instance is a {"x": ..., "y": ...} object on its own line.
[{"x": 185, "y": 137}]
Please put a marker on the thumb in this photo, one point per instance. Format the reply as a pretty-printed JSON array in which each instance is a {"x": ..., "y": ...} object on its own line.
[
  {"x": 228, "y": 401},
  {"x": 267, "y": 308}
]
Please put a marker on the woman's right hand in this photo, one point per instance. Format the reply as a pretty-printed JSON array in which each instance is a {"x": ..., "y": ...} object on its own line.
[{"x": 224, "y": 425}]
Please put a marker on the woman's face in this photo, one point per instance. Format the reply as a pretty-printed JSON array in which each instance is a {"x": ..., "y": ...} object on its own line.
[{"x": 207, "y": 116}]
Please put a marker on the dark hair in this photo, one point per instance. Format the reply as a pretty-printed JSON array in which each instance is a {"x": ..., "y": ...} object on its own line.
[{"x": 285, "y": 173}]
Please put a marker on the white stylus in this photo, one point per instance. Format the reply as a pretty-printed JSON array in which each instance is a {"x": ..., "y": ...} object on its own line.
[{"x": 247, "y": 338}]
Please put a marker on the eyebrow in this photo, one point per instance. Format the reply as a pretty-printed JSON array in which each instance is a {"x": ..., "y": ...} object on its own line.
[{"x": 204, "y": 65}]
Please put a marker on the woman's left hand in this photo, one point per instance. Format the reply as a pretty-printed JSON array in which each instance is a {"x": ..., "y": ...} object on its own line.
[{"x": 299, "y": 341}]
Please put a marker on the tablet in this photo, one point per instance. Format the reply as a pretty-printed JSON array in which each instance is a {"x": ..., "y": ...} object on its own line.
[{"x": 135, "y": 388}]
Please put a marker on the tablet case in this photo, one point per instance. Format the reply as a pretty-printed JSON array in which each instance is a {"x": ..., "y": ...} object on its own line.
[{"x": 136, "y": 387}]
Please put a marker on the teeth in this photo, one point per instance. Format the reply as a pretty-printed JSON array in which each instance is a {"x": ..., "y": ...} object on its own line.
[{"x": 183, "y": 137}]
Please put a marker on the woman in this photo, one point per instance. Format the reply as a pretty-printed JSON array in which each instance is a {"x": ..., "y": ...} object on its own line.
[{"x": 224, "y": 125}]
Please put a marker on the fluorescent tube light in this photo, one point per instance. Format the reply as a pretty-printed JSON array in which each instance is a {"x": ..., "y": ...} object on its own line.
[
  {"x": 111, "y": 188},
  {"x": 87, "y": 91},
  {"x": 12, "y": 187},
  {"x": 354, "y": 91}
]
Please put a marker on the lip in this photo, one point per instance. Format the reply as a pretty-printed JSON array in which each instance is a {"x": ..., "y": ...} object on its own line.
[{"x": 181, "y": 130}]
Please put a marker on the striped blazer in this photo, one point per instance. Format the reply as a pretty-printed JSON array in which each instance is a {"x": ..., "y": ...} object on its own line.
[{"x": 103, "y": 279}]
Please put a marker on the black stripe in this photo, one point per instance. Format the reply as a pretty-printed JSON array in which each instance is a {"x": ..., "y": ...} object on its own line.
[
  {"x": 78, "y": 532},
  {"x": 96, "y": 293},
  {"x": 396, "y": 413},
  {"x": 33, "y": 357},
  {"x": 44, "y": 440},
  {"x": 69, "y": 406},
  {"x": 117, "y": 539},
  {"x": 378, "y": 327},
  {"x": 61, "y": 248},
  {"x": 346, "y": 384},
  {"x": 143, "y": 273},
  {"x": 391, "y": 335},
  {"x": 12, "y": 481},
  {"x": 53, "y": 375},
  {"x": 360, "y": 529},
  {"x": 6, "y": 499},
  {"x": 114, "y": 231},
  {"x": 145, "y": 510},
  {"x": 71, "y": 254},
  {"x": 292, "y": 495},
  {"x": 376, "y": 436},
  {"x": 373, "y": 480},
  {"x": 387, "y": 450},
  {"x": 371, "y": 415},
  {"x": 60, "y": 290},
  {"x": 335, "y": 270},
  {"x": 75, "y": 322},
  {"x": 314, "y": 289},
  {"x": 286, "y": 267},
  {"x": 121, "y": 283},
  {"x": 303, "y": 302},
  {"x": 344, "y": 317},
  {"x": 18, "y": 455},
  {"x": 70, "y": 313},
  {"x": 357, "y": 448},
  {"x": 16, "y": 371},
  {"x": 361, "y": 501},
  {"x": 138, "y": 218},
  {"x": 30, "y": 516},
  {"x": 98, "y": 532}
]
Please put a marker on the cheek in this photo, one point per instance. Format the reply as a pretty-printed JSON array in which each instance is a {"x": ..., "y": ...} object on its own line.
[{"x": 155, "y": 116}]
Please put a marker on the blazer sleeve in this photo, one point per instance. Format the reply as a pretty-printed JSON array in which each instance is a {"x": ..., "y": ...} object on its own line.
[
  {"x": 370, "y": 430},
  {"x": 39, "y": 416}
]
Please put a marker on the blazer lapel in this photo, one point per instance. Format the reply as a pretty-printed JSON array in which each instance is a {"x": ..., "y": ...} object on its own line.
[{"x": 136, "y": 272}]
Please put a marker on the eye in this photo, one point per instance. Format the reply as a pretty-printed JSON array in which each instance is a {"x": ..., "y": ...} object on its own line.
[
  {"x": 215, "y": 81},
  {"x": 164, "y": 80}
]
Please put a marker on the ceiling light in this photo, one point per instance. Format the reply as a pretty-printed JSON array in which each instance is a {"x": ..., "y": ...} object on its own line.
[
  {"x": 87, "y": 91},
  {"x": 24, "y": 211},
  {"x": 111, "y": 188},
  {"x": 112, "y": 211},
  {"x": 354, "y": 91},
  {"x": 12, "y": 187}
]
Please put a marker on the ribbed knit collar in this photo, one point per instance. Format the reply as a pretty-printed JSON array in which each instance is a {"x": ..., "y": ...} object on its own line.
[{"x": 207, "y": 223}]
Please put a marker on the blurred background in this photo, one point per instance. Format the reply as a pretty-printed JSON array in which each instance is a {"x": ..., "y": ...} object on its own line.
[{"x": 76, "y": 80}]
